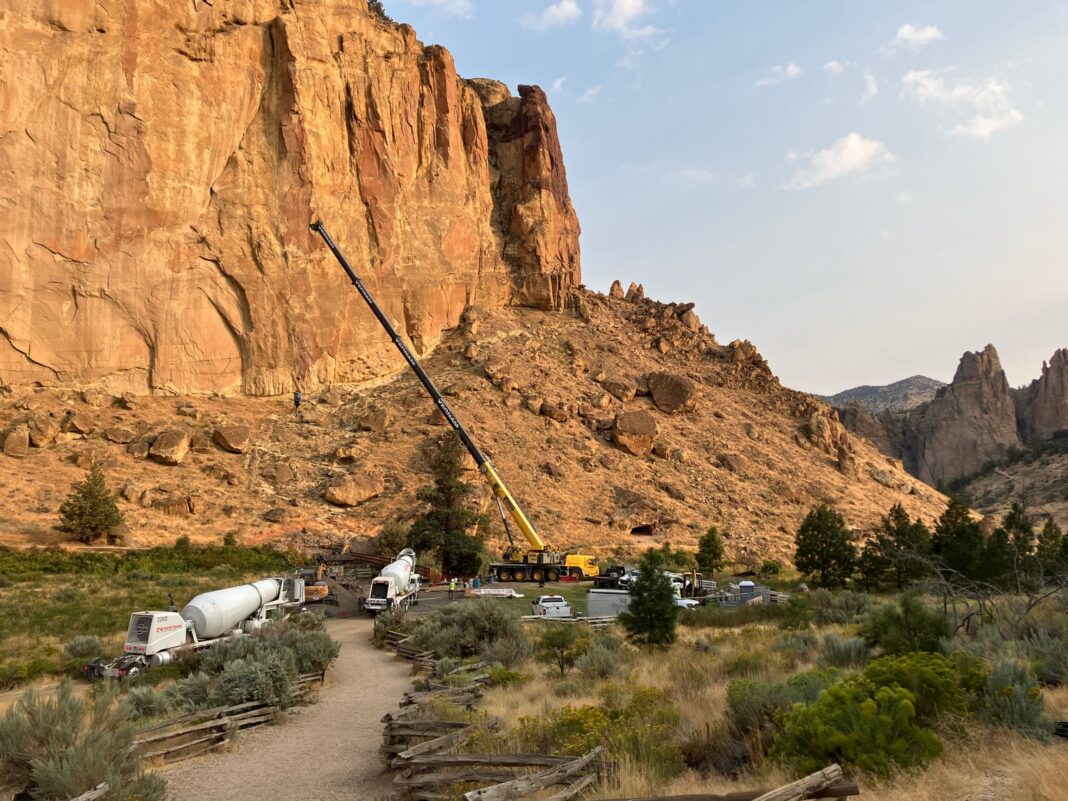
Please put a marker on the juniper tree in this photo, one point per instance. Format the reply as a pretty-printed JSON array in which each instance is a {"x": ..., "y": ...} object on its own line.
[
  {"x": 824, "y": 553},
  {"x": 650, "y": 618},
  {"x": 90, "y": 511},
  {"x": 710, "y": 555}
]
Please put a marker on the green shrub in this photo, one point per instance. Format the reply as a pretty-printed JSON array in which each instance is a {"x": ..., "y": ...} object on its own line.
[
  {"x": 1013, "y": 700},
  {"x": 904, "y": 627},
  {"x": 795, "y": 614},
  {"x": 637, "y": 725},
  {"x": 4, "y": 581},
  {"x": 745, "y": 663},
  {"x": 145, "y": 702},
  {"x": 267, "y": 680},
  {"x": 312, "y": 650},
  {"x": 471, "y": 629},
  {"x": 189, "y": 693},
  {"x": 753, "y": 707},
  {"x": 501, "y": 676},
  {"x": 57, "y": 748},
  {"x": 794, "y": 647},
  {"x": 1048, "y": 656},
  {"x": 560, "y": 645},
  {"x": 939, "y": 685},
  {"x": 83, "y": 647},
  {"x": 307, "y": 621},
  {"x": 855, "y": 725},
  {"x": 838, "y": 608},
  {"x": 599, "y": 662},
  {"x": 836, "y": 652}
]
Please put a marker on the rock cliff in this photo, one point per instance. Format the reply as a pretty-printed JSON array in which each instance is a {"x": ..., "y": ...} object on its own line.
[
  {"x": 1043, "y": 406},
  {"x": 162, "y": 161},
  {"x": 967, "y": 424}
]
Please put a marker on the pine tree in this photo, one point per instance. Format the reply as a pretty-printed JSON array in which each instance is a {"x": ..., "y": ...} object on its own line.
[
  {"x": 898, "y": 552},
  {"x": 90, "y": 510},
  {"x": 710, "y": 554},
  {"x": 444, "y": 526},
  {"x": 824, "y": 552},
  {"x": 1050, "y": 542},
  {"x": 957, "y": 543},
  {"x": 650, "y": 618}
]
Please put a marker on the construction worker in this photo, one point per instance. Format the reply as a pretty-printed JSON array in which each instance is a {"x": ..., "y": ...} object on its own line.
[
  {"x": 298, "y": 396},
  {"x": 452, "y": 588}
]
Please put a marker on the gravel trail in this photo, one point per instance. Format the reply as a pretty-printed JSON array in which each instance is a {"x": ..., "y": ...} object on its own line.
[{"x": 325, "y": 751}]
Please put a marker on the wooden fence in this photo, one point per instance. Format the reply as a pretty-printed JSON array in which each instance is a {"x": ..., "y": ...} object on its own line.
[{"x": 205, "y": 730}]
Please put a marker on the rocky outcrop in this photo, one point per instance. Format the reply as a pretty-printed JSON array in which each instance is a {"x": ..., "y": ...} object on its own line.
[
  {"x": 969, "y": 422},
  {"x": 1043, "y": 406},
  {"x": 634, "y": 433},
  {"x": 856, "y": 417},
  {"x": 672, "y": 393},
  {"x": 170, "y": 157},
  {"x": 354, "y": 490},
  {"x": 233, "y": 438},
  {"x": 170, "y": 447}
]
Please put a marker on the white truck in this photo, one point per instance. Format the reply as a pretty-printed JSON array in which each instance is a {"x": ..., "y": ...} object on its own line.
[
  {"x": 551, "y": 606},
  {"x": 154, "y": 639},
  {"x": 396, "y": 586}
]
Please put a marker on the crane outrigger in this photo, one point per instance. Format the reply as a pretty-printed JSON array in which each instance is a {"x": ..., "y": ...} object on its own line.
[{"x": 537, "y": 562}]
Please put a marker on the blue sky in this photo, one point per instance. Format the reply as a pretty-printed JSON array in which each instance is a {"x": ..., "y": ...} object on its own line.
[{"x": 864, "y": 190}]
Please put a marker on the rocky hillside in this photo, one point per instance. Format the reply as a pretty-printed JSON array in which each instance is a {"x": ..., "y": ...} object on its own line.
[
  {"x": 1040, "y": 482},
  {"x": 162, "y": 163},
  {"x": 899, "y": 396},
  {"x": 619, "y": 422}
]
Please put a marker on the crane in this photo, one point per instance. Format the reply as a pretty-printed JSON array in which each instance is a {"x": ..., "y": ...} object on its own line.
[{"x": 537, "y": 562}]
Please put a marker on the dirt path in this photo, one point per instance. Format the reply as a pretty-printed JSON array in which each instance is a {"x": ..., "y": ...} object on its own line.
[{"x": 326, "y": 751}]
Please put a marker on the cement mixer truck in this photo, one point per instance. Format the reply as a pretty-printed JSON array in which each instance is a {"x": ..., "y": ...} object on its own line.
[
  {"x": 154, "y": 639},
  {"x": 396, "y": 587}
]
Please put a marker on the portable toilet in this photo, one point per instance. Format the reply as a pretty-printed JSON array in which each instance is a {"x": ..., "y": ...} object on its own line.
[{"x": 747, "y": 591}]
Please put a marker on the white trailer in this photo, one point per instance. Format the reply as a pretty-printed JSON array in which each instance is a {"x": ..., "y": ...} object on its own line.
[
  {"x": 157, "y": 638},
  {"x": 396, "y": 586}
]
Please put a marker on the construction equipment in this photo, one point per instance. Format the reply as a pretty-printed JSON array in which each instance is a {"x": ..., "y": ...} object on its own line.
[
  {"x": 154, "y": 639},
  {"x": 534, "y": 563},
  {"x": 396, "y": 587}
]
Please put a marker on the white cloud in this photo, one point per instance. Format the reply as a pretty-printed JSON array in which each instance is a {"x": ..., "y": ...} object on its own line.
[
  {"x": 780, "y": 74},
  {"x": 852, "y": 155},
  {"x": 871, "y": 89},
  {"x": 914, "y": 37},
  {"x": 836, "y": 67},
  {"x": 457, "y": 8},
  {"x": 698, "y": 175},
  {"x": 903, "y": 197},
  {"x": 553, "y": 16},
  {"x": 591, "y": 93},
  {"x": 558, "y": 85},
  {"x": 986, "y": 108},
  {"x": 624, "y": 17},
  {"x": 747, "y": 181}
]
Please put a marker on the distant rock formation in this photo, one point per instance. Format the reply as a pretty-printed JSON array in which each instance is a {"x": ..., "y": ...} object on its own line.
[
  {"x": 968, "y": 423},
  {"x": 899, "y": 396},
  {"x": 1043, "y": 406},
  {"x": 164, "y": 161}
]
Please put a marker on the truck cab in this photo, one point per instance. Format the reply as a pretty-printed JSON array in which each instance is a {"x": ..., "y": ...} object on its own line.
[{"x": 551, "y": 606}]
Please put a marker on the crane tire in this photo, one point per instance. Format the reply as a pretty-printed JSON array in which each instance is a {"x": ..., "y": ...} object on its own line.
[
  {"x": 520, "y": 575},
  {"x": 536, "y": 575},
  {"x": 552, "y": 575},
  {"x": 576, "y": 573},
  {"x": 504, "y": 575}
]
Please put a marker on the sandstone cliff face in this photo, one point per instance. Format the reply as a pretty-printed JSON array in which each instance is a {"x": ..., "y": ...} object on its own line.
[
  {"x": 1043, "y": 406},
  {"x": 968, "y": 423},
  {"x": 161, "y": 163}
]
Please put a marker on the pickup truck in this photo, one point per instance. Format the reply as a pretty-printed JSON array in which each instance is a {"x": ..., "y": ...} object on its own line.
[{"x": 551, "y": 606}]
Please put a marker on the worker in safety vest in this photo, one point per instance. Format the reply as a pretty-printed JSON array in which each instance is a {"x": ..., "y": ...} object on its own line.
[{"x": 452, "y": 587}]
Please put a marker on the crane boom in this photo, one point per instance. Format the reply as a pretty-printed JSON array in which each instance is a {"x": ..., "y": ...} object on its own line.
[{"x": 485, "y": 467}]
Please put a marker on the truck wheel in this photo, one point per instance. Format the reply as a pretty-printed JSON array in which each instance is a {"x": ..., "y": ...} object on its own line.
[
  {"x": 576, "y": 573},
  {"x": 552, "y": 576},
  {"x": 520, "y": 575},
  {"x": 536, "y": 575},
  {"x": 133, "y": 673},
  {"x": 504, "y": 575}
]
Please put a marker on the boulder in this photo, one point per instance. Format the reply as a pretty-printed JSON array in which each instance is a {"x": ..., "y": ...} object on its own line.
[
  {"x": 672, "y": 393},
  {"x": 634, "y": 433},
  {"x": 734, "y": 462},
  {"x": 75, "y": 423},
  {"x": 139, "y": 449},
  {"x": 620, "y": 387},
  {"x": 377, "y": 418},
  {"x": 17, "y": 443},
  {"x": 120, "y": 435},
  {"x": 232, "y": 438},
  {"x": 616, "y": 290},
  {"x": 96, "y": 397},
  {"x": 43, "y": 430},
  {"x": 200, "y": 442},
  {"x": 347, "y": 453},
  {"x": 354, "y": 490},
  {"x": 170, "y": 447},
  {"x": 556, "y": 411},
  {"x": 534, "y": 403}
]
